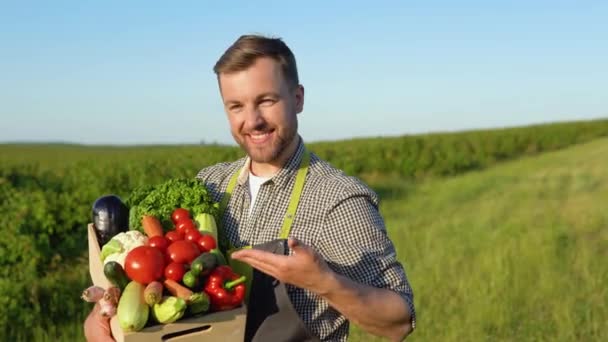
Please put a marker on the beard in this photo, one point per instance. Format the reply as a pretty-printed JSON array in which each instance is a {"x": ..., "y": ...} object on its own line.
[{"x": 279, "y": 142}]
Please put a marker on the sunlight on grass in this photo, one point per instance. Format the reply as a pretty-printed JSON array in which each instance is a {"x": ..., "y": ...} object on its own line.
[{"x": 511, "y": 253}]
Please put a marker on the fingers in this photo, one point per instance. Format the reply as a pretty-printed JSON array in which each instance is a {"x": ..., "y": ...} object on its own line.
[
  {"x": 97, "y": 327},
  {"x": 262, "y": 256},
  {"x": 98, "y": 315},
  {"x": 96, "y": 312},
  {"x": 267, "y": 268},
  {"x": 303, "y": 268},
  {"x": 269, "y": 263}
]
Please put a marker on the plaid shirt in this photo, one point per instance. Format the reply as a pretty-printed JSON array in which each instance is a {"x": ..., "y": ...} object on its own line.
[{"x": 337, "y": 215}]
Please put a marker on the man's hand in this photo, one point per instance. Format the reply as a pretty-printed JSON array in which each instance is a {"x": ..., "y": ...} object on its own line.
[
  {"x": 304, "y": 268},
  {"x": 381, "y": 312},
  {"x": 97, "y": 327}
]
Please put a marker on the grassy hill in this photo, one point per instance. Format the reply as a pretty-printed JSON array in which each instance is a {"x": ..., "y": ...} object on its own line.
[{"x": 516, "y": 252}]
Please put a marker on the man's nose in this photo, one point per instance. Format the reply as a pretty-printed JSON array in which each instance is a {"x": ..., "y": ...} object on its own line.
[{"x": 253, "y": 118}]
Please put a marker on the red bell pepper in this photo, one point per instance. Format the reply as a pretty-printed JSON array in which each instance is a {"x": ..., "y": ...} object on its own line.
[{"x": 225, "y": 288}]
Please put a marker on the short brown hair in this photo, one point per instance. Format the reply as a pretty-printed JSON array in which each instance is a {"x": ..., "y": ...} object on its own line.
[{"x": 245, "y": 50}]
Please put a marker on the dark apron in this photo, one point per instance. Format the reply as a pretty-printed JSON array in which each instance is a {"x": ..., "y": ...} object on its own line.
[{"x": 270, "y": 313}]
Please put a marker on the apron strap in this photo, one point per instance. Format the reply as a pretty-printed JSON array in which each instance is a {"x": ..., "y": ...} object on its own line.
[
  {"x": 224, "y": 243},
  {"x": 295, "y": 196}
]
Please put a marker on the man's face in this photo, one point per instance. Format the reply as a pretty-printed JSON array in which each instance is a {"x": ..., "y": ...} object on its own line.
[{"x": 261, "y": 109}]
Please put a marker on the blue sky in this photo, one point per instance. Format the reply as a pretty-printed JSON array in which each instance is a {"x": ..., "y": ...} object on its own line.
[{"x": 125, "y": 72}]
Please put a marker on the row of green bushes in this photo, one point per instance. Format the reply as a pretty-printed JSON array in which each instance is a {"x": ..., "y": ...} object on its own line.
[{"x": 446, "y": 154}]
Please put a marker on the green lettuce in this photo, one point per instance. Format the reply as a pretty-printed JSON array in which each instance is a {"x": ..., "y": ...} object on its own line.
[{"x": 160, "y": 200}]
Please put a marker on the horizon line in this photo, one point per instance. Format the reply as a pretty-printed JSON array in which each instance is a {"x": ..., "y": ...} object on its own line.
[{"x": 319, "y": 141}]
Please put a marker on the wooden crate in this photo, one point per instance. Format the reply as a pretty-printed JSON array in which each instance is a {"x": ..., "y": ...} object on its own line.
[{"x": 227, "y": 326}]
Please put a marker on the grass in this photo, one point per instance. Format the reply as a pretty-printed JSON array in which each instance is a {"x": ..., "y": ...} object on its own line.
[{"x": 513, "y": 253}]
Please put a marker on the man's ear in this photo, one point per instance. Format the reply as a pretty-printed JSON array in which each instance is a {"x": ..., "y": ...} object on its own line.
[{"x": 299, "y": 93}]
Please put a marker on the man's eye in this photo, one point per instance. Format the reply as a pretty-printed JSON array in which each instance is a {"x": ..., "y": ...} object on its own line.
[
  {"x": 234, "y": 108},
  {"x": 268, "y": 102}
]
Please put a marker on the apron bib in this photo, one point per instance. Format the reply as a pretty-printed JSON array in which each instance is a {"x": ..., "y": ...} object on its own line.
[{"x": 270, "y": 313}]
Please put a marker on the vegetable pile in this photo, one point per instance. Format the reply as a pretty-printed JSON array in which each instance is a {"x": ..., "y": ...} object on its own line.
[{"x": 168, "y": 265}]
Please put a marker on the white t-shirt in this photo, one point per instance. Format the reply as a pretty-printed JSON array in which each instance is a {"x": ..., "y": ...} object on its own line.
[{"x": 254, "y": 186}]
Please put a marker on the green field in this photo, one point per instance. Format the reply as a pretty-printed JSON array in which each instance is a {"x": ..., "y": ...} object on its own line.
[
  {"x": 517, "y": 252},
  {"x": 504, "y": 240}
]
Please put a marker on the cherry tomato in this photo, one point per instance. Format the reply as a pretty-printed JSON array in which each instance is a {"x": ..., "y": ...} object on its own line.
[
  {"x": 175, "y": 271},
  {"x": 192, "y": 235},
  {"x": 144, "y": 264},
  {"x": 159, "y": 242},
  {"x": 184, "y": 225},
  {"x": 206, "y": 243},
  {"x": 174, "y": 235},
  {"x": 183, "y": 251},
  {"x": 179, "y": 214}
]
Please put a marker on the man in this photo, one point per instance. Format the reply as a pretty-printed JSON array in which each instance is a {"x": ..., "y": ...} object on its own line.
[{"x": 338, "y": 264}]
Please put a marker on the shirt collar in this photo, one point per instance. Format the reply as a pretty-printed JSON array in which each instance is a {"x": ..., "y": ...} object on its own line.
[{"x": 282, "y": 177}]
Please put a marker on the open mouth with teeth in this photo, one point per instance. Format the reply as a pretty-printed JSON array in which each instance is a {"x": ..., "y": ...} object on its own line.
[{"x": 260, "y": 137}]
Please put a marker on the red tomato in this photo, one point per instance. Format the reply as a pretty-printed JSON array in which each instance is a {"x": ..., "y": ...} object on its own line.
[
  {"x": 174, "y": 235},
  {"x": 144, "y": 264},
  {"x": 206, "y": 243},
  {"x": 179, "y": 214},
  {"x": 192, "y": 235},
  {"x": 184, "y": 225},
  {"x": 159, "y": 242},
  {"x": 183, "y": 251},
  {"x": 167, "y": 258},
  {"x": 175, "y": 271}
]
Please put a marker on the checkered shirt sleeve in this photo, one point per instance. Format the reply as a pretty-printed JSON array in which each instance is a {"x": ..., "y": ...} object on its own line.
[{"x": 355, "y": 242}]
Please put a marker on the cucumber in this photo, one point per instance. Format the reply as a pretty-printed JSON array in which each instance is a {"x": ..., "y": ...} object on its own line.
[
  {"x": 221, "y": 260},
  {"x": 132, "y": 310},
  {"x": 116, "y": 274},
  {"x": 190, "y": 279},
  {"x": 203, "y": 264}
]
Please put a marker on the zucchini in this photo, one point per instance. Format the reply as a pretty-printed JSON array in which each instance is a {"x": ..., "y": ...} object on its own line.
[
  {"x": 116, "y": 274},
  {"x": 133, "y": 311},
  {"x": 206, "y": 224},
  {"x": 203, "y": 264},
  {"x": 221, "y": 260}
]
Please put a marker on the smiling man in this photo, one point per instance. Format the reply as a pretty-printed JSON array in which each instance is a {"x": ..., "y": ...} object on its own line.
[
  {"x": 321, "y": 257},
  {"x": 339, "y": 264}
]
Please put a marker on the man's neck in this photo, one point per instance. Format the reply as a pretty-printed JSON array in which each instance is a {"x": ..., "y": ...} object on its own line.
[{"x": 273, "y": 167}]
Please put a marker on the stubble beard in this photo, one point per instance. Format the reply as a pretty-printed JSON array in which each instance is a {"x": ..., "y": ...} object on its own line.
[{"x": 273, "y": 152}]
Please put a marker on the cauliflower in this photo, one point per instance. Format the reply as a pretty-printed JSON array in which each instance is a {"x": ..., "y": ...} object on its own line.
[
  {"x": 120, "y": 245},
  {"x": 118, "y": 257}
]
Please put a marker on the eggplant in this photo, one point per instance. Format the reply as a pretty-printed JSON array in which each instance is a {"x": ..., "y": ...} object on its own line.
[{"x": 110, "y": 217}]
